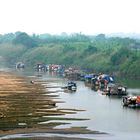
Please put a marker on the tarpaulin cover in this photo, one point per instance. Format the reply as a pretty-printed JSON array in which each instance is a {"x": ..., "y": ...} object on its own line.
[{"x": 138, "y": 99}]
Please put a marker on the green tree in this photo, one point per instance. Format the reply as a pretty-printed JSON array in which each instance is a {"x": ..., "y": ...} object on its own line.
[
  {"x": 120, "y": 56},
  {"x": 25, "y": 40}
]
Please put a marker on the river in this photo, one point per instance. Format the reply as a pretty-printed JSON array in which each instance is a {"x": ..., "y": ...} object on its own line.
[{"x": 104, "y": 113}]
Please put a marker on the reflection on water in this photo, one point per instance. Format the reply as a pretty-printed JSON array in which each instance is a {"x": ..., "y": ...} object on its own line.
[
  {"x": 35, "y": 107},
  {"x": 105, "y": 113},
  {"x": 130, "y": 83},
  {"x": 134, "y": 91}
]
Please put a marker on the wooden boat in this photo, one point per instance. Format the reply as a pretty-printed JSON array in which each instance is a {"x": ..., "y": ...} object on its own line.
[
  {"x": 116, "y": 89},
  {"x": 20, "y": 65},
  {"x": 131, "y": 101},
  {"x": 71, "y": 86}
]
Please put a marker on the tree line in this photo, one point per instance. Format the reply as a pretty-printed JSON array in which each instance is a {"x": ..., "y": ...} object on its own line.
[{"x": 93, "y": 53}]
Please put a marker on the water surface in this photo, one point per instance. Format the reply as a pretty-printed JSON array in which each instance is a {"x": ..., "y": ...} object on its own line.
[{"x": 104, "y": 113}]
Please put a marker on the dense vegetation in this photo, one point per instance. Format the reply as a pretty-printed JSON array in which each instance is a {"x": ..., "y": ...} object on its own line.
[{"x": 95, "y": 53}]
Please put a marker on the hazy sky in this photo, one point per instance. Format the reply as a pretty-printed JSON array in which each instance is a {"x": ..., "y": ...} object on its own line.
[{"x": 56, "y": 16}]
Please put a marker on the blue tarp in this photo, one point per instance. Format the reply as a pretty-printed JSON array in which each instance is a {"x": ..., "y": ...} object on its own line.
[
  {"x": 110, "y": 79},
  {"x": 89, "y": 76}
]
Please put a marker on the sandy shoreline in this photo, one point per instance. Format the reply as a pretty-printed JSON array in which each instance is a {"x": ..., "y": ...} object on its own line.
[{"x": 14, "y": 92}]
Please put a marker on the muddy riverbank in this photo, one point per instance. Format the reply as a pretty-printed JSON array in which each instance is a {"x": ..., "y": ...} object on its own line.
[{"x": 25, "y": 106}]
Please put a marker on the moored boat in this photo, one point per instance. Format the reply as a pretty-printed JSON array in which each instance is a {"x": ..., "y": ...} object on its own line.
[
  {"x": 115, "y": 89},
  {"x": 131, "y": 101},
  {"x": 20, "y": 65},
  {"x": 71, "y": 86}
]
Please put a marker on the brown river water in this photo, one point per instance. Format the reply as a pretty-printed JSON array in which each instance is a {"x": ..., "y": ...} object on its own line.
[{"x": 85, "y": 107}]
